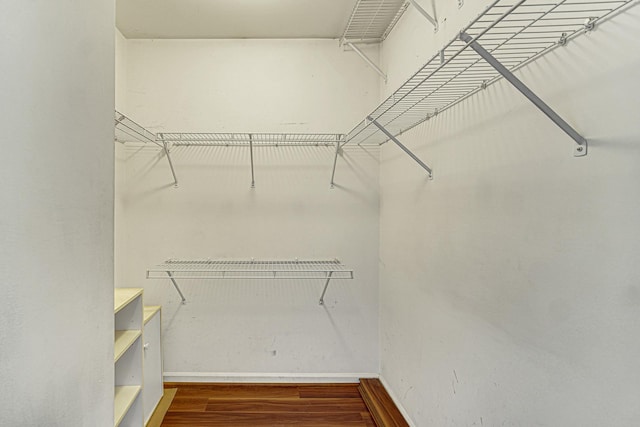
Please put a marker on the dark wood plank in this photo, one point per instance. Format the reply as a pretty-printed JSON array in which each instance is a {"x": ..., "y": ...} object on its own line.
[
  {"x": 342, "y": 391},
  {"x": 188, "y": 404},
  {"x": 368, "y": 419},
  {"x": 258, "y": 405},
  {"x": 287, "y": 405},
  {"x": 239, "y": 391},
  {"x": 191, "y": 419},
  {"x": 381, "y": 406}
]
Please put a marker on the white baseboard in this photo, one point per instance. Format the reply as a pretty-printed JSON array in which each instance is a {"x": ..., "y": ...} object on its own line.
[
  {"x": 257, "y": 377},
  {"x": 395, "y": 399}
]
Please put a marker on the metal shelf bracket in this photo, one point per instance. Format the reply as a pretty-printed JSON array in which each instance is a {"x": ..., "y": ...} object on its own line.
[
  {"x": 366, "y": 59},
  {"x": 326, "y": 285},
  {"x": 581, "y": 148},
  {"x": 339, "y": 139},
  {"x": 402, "y": 146},
  {"x": 253, "y": 180},
  {"x": 175, "y": 285},
  {"x": 424, "y": 13},
  {"x": 166, "y": 152}
]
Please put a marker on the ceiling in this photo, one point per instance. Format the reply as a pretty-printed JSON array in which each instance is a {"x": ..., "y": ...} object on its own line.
[{"x": 233, "y": 18}]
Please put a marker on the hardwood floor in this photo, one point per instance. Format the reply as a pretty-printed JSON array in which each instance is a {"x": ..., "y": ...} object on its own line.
[{"x": 253, "y": 405}]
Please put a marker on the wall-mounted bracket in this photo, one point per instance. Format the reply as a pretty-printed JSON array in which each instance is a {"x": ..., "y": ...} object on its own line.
[
  {"x": 335, "y": 158},
  {"x": 562, "y": 41},
  {"x": 253, "y": 180},
  {"x": 581, "y": 148},
  {"x": 366, "y": 59},
  {"x": 424, "y": 13},
  {"x": 590, "y": 24},
  {"x": 175, "y": 285},
  {"x": 399, "y": 144},
  {"x": 326, "y": 285},
  {"x": 165, "y": 147}
]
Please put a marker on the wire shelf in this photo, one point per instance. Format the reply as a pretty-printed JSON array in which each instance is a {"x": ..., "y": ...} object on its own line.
[
  {"x": 515, "y": 32},
  {"x": 257, "y": 139},
  {"x": 373, "y": 20},
  {"x": 126, "y": 130},
  {"x": 250, "y": 269}
]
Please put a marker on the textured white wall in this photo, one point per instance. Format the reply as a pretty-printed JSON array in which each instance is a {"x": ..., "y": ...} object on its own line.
[
  {"x": 510, "y": 284},
  {"x": 248, "y": 85},
  {"x": 120, "y": 157},
  {"x": 254, "y": 327},
  {"x": 56, "y": 216}
]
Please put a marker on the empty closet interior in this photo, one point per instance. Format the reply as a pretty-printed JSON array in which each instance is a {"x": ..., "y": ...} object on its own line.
[
  {"x": 450, "y": 180},
  {"x": 441, "y": 194}
]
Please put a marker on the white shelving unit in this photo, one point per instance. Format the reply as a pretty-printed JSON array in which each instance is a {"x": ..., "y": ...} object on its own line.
[
  {"x": 248, "y": 139},
  {"x": 250, "y": 269},
  {"x": 153, "y": 389},
  {"x": 128, "y": 357},
  {"x": 372, "y": 20},
  {"x": 507, "y": 35},
  {"x": 124, "y": 340},
  {"x": 126, "y": 130}
]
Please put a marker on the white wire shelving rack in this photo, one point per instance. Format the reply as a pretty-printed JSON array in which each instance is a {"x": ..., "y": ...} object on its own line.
[
  {"x": 371, "y": 21},
  {"x": 126, "y": 130},
  {"x": 326, "y": 270},
  {"x": 252, "y": 140},
  {"x": 248, "y": 139},
  {"x": 506, "y": 36}
]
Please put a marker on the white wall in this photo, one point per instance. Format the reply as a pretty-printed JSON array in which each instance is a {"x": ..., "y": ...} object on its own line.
[
  {"x": 121, "y": 44},
  {"x": 248, "y": 85},
  {"x": 120, "y": 156},
  {"x": 232, "y": 328},
  {"x": 510, "y": 283},
  {"x": 56, "y": 216}
]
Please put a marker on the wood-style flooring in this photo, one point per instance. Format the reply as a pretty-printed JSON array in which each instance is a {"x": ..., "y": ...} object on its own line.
[{"x": 253, "y": 405}]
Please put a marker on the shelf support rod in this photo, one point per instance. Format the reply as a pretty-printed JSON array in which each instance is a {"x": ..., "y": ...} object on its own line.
[
  {"x": 367, "y": 60},
  {"x": 326, "y": 285},
  {"x": 177, "y": 287},
  {"x": 335, "y": 159},
  {"x": 581, "y": 148},
  {"x": 424, "y": 13},
  {"x": 253, "y": 181},
  {"x": 166, "y": 152},
  {"x": 399, "y": 144}
]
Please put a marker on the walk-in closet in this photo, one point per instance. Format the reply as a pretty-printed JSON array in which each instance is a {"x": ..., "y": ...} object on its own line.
[{"x": 320, "y": 213}]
